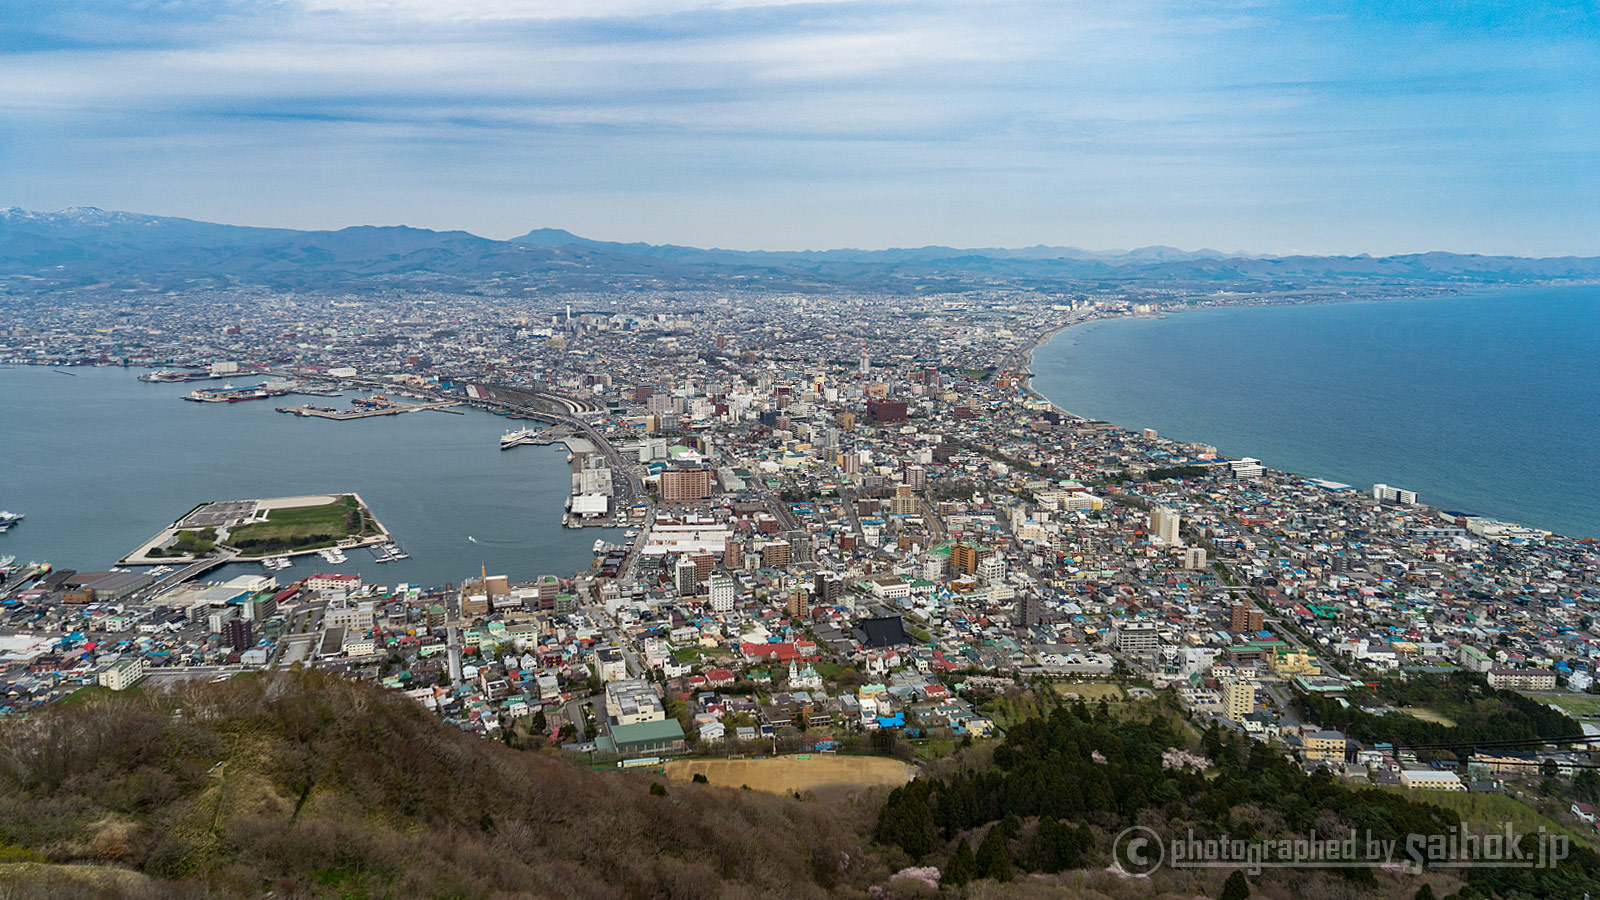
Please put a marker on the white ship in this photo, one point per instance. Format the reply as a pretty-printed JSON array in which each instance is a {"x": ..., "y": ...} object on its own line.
[
  {"x": 333, "y": 555},
  {"x": 517, "y": 438}
]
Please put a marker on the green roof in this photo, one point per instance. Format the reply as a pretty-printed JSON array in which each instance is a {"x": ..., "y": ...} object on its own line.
[{"x": 664, "y": 730}]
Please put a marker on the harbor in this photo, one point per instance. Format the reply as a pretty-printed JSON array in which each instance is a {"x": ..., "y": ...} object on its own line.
[{"x": 434, "y": 480}]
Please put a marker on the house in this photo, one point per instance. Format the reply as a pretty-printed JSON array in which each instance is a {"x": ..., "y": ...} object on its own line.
[{"x": 1584, "y": 811}]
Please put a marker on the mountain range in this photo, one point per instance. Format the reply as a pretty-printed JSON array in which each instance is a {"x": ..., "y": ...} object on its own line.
[{"x": 88, "y": 247}]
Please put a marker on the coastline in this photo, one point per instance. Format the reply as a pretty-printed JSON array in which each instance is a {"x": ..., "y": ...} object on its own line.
[{"x": 1022, "y": 373}]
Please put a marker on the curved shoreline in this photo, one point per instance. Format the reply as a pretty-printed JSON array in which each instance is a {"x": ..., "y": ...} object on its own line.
[{"x": 1023, "y": 374}]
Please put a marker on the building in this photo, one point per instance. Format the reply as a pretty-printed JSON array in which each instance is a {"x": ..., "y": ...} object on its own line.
[
  {"x": 689, "y": 483},
  {"x": 333, "y": 581},
  {"x": 827, "y": 588},
  {"x": 992, "y": 569},
  {"x": 1238, "y": 699},
  {"x": 123, "y": 674},
  {"x": 686, "y": 576},
  {"x": 1164, "y": 526},
  {"x": 609, "y": 664},
  {"x": 1431, "y": 780},
  {"x": 631, "y": 701},
  {"x": 653, "y": 738},
  {"x": 1522, "y": 679},
  {"x": 1324, "y": 747},
  {"x": 722, "y": 593},
  {"x": 1386, "y": 494},
  {"x": 1194, "y": 558},
  {"x": 776, "y": 554},
  {"x": 238, "y": 634},
  {"x": 964, "y": 558},
  {"x": 886, "y": 410},
  {"x": 1244, "y": 618},
  {"x": 732, "y": 553},
  {"x": 1138, "y": 638},
  {"x": 1028, "y": 610},
  {"x": 916, "y": 478}
]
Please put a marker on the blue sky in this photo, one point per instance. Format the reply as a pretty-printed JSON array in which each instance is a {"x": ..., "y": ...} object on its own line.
[{"x": 1330, "y": 127}]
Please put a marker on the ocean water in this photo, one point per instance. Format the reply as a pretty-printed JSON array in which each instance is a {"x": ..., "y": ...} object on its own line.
[
  {"x": 99, "y": 461},
  {"x": 1486, "y": 403}
]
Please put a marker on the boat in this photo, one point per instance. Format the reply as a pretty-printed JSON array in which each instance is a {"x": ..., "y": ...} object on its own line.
[
  {"x": 9, "y": 518},
  {"x": 600, "y": 546},
  {"x": 6, "y": 561},
  {"x": 517, "y": 438},
  {"x": 394, "y": 551}
]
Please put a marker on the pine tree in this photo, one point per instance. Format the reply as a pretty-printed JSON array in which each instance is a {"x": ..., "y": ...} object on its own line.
[
  {"x": 962, "y": 867},
  {"x": 1424, "y": 893},
  {"x": 993, "y": 860},
  {"x": 1236, "y": 887}
]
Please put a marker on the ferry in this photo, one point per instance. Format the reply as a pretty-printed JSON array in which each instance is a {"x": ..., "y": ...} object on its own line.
[{"x": 517, "y": 438}]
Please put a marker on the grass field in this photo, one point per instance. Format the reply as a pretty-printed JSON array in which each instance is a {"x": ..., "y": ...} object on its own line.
[
  {"x": 829, "y": 776},
  {"x": 1573, "y": 704},
  {"x": 1428, "y": 715},
  {"x": 299, "y": 527}
]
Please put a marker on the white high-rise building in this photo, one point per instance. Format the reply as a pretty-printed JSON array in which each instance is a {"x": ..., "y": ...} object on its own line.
[
  {"x": 1386, "y": 494},
  {"x": 1164, "y": 526},
  {"x": 721, "y": 587}
]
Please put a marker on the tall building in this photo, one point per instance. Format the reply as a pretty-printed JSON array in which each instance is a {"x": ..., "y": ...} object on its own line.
[
  {"x": 1028, "y": 610},
  {"x": 1243, "y": 617},
  {"x": 732, "y": 553},
  {"x": 1386, "y": 494},
  {"x": 721, "y": 589},
  {"x": 776, "y": 554},
  {"x": 238, "y": 634},
  {"x": 916, "y": 478},
  {"x": 992, "y": 569},
  {"x": 692, "y": 483},
  {"x": 1164, "y": 526},
  {"x": 687, "y": 576},
  {"x": 828, "y": 588},
  {"x": 964, "y": 558},
  {"x": 799, "y": 602},
  {"x": 903, "y": 503},
  {"x": 1238, "y": 699}
]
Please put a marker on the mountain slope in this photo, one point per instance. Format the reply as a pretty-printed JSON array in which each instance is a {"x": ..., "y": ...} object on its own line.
[{"x": 309, "y": 785}]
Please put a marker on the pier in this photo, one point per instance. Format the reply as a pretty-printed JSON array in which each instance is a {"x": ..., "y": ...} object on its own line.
[{"x": 393, "y": 409}]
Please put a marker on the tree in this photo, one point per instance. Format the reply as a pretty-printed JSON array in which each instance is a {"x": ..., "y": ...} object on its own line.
[
  {"x": 962, "y": 867},
  {"x": 1236, "y": 887},
  {"x": 657, "y": 789},
  {"x": 1424, "y": 893},
  {"x": 700, "y": 778},
  {"x": 993, "y": 860}
]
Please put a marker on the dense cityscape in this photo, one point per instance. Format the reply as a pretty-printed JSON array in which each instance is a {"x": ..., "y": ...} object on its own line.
[{"x": 847, "y": 514}]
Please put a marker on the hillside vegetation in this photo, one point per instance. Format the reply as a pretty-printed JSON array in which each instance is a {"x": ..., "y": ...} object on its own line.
[{"x": 307, "y": 785}]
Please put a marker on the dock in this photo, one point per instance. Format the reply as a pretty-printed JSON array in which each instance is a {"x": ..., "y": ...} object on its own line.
[{"x": 393, "y": 409}]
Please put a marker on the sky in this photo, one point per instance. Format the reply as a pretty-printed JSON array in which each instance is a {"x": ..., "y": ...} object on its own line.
[{"x": 1334, "y": 126}]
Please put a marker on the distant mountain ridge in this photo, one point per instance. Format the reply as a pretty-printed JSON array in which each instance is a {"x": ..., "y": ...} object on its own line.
[{"x": 85, "y": 246}]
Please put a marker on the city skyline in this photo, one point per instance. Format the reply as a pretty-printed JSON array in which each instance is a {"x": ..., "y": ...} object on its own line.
[{"x": 1265, "y": 128}]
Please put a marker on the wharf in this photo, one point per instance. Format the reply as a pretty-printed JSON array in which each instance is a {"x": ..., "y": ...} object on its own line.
[{"x": 394, "y": 409}]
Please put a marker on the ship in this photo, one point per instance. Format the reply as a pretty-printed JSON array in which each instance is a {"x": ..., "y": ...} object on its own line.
[
  {"x": 9, "y": 518},
  {"x": 517, "y": 438}
]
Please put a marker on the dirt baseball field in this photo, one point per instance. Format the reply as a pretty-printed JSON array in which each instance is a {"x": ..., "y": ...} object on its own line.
[{"x": 827, "y": 775}]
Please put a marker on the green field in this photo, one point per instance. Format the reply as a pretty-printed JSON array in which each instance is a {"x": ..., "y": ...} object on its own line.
[
  {"x": 1573, "y": 704},
  {"x": 301, "y": 527}
]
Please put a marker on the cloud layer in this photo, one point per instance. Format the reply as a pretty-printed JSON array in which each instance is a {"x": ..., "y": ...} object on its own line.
[{"x": 1241, "y": 125}]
